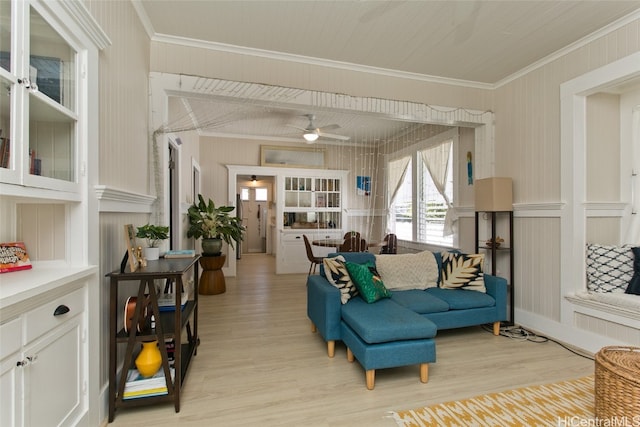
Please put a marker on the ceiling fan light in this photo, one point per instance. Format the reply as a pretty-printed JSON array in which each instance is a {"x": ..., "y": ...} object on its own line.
[{"x": 310, "y": 136}]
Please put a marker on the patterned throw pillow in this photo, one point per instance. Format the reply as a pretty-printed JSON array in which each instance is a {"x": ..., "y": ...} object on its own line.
[
  {"x": 609, "y": 268},
  {"x": 462, "y": 271},
  {"x": 338, "y": 276},
  {"x": 367, "y": 281},
  {"x": 408, "y": 271}
]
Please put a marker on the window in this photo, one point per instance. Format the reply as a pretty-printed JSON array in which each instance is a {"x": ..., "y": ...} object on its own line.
[
  {"x": 420, "y": 187},
  {"x": 261, "y": 195}
]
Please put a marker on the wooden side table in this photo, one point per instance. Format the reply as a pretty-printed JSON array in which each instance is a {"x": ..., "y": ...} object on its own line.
[{"x": 212, "y": 280}]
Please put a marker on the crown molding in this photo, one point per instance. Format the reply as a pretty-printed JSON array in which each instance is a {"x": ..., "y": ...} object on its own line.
[
  {"x": 144, "y": 18},
  {"x": 308, "y": 60},
  {"x": 616, "y": 25},
  {"x": 116, "y": 200}
]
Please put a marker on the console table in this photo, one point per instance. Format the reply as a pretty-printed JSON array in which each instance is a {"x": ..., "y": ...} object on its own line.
[{"x": 168, "y": 325}]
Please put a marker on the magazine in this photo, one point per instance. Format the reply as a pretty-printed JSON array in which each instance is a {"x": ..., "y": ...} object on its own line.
[{"x": 13, "y": 257}]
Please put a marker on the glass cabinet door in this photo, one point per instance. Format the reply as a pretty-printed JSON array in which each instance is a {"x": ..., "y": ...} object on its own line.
[
  {"x": 7, "y": 83},
  {"x": 52, "y": 117}
]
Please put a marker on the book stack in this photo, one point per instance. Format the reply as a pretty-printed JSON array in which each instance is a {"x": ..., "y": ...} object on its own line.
[
  {"x": 181, "y": 253},
  {"x": 138, "y": 386},
  {"x": 167, "y": 302}
]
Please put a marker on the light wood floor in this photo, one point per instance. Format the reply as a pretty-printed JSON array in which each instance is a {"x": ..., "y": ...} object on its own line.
[{"x": 259, "y": 364}]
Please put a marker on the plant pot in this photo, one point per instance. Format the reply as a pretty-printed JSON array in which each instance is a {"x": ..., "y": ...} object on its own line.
[
  {"x": 151, "y": 254},
  {"x": 149, "y": 360},
  {"x": 211, "y": 246}
]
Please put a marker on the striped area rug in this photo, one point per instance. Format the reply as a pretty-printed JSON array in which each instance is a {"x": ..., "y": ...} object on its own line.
[{"x": 542, "y": 405}]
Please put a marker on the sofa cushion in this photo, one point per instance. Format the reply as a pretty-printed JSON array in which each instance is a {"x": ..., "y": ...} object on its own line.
[
  {"x": 462, "y": 271},
  {"x": 408, "y": 271},
  {"x": 386, "y": 321},
  {"x": 419, "y": 301},
  {"x": 337, "y": 274},
  {"x": 368, "y": 281},
  {"x": 459, "y": 299},
  {"x": 609, "y": 268}
]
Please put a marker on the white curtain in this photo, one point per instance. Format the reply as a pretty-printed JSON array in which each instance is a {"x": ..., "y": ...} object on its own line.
[
  {"x": 633, "y": 236},
  {"x": 436, "y": 159},
  {"x": 397, "y": 169}
]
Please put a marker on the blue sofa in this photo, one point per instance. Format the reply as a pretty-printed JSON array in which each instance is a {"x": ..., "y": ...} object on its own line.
[{"x": 400, "y": 330}]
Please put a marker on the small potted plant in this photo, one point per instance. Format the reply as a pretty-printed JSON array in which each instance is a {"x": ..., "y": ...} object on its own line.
[
  {"x": 214, "y": 224},
  {"x": 154, "y": 235}
]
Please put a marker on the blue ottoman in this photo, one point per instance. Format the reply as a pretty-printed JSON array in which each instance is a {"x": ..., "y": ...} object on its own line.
[{"x": 386, "y": 335}]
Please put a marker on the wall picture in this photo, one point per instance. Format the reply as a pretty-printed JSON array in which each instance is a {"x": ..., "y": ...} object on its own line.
[{"x": 363, "y": 185}]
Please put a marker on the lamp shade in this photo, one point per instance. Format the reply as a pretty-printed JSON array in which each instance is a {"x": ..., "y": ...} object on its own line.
[
  {"x": 310, "y": 136},
  {"x": 494, "y": 194}
]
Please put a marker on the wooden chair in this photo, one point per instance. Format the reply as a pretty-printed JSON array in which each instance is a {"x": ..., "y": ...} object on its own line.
[
  {"x": 352, "y": 235},
  {"x": 352, "y": 245},
  {"x": 390, "y": 245},
  {"x": 315, "y": 260}
]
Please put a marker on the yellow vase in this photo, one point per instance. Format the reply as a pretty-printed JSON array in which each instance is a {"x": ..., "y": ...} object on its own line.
[{"x": 149, "y": 360}]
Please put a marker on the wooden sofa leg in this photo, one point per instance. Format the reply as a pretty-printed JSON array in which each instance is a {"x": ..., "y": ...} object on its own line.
[
  {"x": 331, "y": 348},
  {"x": 313, "y": 328},
  {"x": 424, "y": 372},
  {"x": 371, "y": 378},
  {"x": 350, "y": 357},
  {"x": 496, "y": 328}
]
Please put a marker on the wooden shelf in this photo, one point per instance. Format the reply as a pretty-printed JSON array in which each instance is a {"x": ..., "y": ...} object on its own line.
[
  {"x": 494, "y": 218},
  {"x": 169, "y": 325}
]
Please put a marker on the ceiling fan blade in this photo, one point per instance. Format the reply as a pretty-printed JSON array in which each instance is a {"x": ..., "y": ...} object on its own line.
[
  {"x": 296, "y": 127},
  {"x": 329, "y": 127},
  {"x": 335, "y": 136}
]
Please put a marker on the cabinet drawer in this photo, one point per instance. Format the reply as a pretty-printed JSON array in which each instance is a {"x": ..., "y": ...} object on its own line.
[
  {"x": 294, "y": 237},
  {"x": 10, "y": 337},
  {"x": 43, "y": 319}
]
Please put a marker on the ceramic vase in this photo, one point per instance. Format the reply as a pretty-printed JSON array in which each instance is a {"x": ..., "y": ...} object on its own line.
[
  {"x": 149, "y": 360},
  {"x": 211, "y": 246},
  {"x": 151, "y": 254}
]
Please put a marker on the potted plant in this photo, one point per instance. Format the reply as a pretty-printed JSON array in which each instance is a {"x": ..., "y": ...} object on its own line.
[
  {"x": 214, "y": 225},
  {"x": 154, "y": 235}
]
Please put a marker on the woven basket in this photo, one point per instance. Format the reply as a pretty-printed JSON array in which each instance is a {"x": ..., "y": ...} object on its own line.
[{"x": 617, "y": 384}]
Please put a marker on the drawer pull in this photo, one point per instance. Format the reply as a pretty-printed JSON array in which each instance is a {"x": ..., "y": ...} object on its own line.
[{"x": 60, "y": 310}]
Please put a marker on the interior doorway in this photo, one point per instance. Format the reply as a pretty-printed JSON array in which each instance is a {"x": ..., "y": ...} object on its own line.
[{"x": 257, "y": 210}]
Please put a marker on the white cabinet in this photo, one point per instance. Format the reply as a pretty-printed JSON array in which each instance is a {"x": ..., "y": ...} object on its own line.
[
  {"x": 43, "y": 377},
  {"x": 49, "y": 53},
  {"x": 293, "y": 254},
  {"x": 10, "y": 373},
  {"x": 311, "y": 205}
]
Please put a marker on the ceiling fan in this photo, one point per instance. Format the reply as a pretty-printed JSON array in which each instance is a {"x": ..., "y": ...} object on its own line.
[{"x": 311, "y": 133}]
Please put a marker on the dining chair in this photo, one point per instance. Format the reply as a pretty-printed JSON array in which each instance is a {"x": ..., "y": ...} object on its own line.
[
  {"x": 351, "y": 245},
  {"x": 390, "y": 245},
  {"x": 315, "y": 260}
]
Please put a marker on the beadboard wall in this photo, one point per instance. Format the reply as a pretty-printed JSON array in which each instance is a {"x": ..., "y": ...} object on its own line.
[{"x": 527, "y": 133}]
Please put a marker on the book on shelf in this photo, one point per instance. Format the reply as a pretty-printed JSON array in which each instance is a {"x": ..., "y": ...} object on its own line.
[
  {"x": 138, "y": 386},
  {"x": 5, "y": 151},
  {"x": 14, "y": 257},
  {"x": 180, "y": 253},
  {"x": 167, "y": 302}
]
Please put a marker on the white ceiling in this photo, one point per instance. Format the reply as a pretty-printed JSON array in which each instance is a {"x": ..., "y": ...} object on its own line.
[{"x": 479, "y": 42}]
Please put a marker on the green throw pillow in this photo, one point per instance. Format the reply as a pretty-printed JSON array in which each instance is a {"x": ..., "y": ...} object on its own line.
[{"x": 367, "y": 281}]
